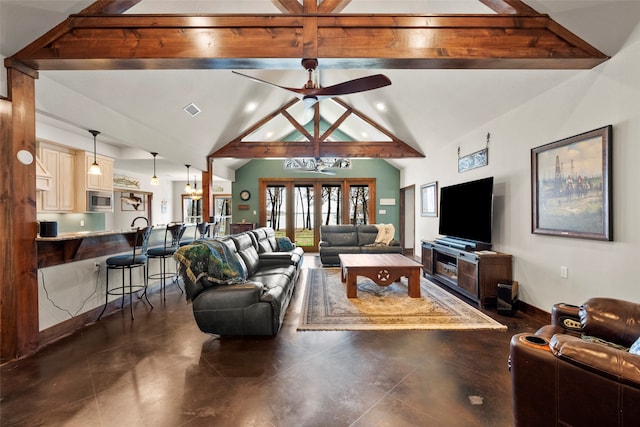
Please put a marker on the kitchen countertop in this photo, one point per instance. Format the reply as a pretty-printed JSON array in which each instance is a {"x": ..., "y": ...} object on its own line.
[
  {"x": 83, "y": 234},
  {"x": 78, "y": 246}
]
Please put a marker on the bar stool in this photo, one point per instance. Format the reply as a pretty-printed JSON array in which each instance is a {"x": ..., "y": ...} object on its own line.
[
  {"x": 138, "y": 258},
  {"x": 201, "y": 231},
  {"x": 172, "y": 236}
]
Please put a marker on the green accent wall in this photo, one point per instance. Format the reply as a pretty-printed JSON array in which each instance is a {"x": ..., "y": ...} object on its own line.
[{"x": 387, "y": 185}]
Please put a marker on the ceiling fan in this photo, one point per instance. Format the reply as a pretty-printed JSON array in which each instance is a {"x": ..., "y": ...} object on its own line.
[
  {"x": 318, "y": 165},
  {"x": 311, "y": 93}
]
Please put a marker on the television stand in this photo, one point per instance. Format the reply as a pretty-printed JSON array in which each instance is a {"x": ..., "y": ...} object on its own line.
[
  {"x": 462, "y": 244},
  {"x": 474, "y": 274}
]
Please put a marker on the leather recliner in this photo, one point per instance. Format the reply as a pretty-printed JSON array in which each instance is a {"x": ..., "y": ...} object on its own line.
[{"x": 578, "y": 371}]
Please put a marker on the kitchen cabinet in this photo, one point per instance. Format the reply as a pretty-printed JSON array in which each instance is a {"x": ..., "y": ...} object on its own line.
[
  {"x": 60, "y": 164},
  {"x": 102, "y": 182}
]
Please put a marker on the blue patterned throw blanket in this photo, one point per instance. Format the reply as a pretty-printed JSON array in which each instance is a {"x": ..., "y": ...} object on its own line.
[{"x": 213, "y": 260}]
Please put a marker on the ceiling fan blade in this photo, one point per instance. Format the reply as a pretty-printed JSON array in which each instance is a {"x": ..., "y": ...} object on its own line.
[
  {"x": 327, "y": 171},
  {"x": 299, "y": 92},
  {"x": 361, "y": 84}
]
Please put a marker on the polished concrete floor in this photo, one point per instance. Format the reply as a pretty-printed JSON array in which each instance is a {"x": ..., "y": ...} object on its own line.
[{"x": 160, "y": 370}]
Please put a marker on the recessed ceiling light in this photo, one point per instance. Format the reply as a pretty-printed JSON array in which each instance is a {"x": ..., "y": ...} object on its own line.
[
  {"x": 192, "y": 109},
  {"x": 380, "y": 106},
  {"x": 251, "y": 107}
]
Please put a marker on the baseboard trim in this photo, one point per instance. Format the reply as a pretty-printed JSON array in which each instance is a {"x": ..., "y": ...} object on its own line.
[{"x": 535, "y": 312}]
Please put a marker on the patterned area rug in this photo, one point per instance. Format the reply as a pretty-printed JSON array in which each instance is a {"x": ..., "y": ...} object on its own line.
[{"x": 326, "y": 306}]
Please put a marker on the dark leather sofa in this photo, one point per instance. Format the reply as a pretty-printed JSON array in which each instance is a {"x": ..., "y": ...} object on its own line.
[
  {"x": 579, "y": 371},
  {"x": 351, "y": 239},
  {"x": 253, "y": 306}
]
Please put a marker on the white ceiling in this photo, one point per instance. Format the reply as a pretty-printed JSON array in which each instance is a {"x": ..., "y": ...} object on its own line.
[{"x": 144, "y": 108}]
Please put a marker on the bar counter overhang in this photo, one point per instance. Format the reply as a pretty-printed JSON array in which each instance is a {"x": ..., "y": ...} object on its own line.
[{"x": 71, "y": 247}]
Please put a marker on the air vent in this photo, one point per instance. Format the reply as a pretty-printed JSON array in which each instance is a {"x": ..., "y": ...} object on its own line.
[{"x": 192, "y": 109}]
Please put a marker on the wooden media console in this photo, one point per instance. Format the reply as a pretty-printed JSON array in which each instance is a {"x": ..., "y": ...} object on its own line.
[{"x": 474, "y": 274}]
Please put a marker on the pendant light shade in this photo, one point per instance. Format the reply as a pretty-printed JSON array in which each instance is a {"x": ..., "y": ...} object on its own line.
[
  {"x": 196, "y": 194},
  {"x": 187, "y": 188},
  {"x": 94, "y": 169},
  {"x": 154, "y": 178}
]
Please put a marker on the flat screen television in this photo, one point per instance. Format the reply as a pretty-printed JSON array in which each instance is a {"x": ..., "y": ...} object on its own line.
[{"x": 466, "y": 210}]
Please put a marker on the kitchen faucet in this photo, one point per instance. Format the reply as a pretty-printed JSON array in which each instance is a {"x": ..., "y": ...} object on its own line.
[{"x": 139, "y": 217}]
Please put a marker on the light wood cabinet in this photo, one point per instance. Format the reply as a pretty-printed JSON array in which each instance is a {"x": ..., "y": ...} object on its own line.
[
  {"x": 102, "y": 182},
  {"x": 60, "y": 164}
]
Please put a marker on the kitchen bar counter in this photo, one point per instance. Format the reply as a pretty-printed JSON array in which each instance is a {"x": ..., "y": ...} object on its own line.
[{"x": 71, "y": 247}]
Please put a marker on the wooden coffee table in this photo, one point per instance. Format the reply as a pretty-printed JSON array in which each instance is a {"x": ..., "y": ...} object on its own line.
[{"x": 383, "y": 269}]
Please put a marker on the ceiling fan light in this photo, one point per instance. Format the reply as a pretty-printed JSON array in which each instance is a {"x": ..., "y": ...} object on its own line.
[{"x": 309, "y": 101}]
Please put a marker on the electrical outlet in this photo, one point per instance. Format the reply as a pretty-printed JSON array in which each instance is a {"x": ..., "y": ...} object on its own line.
[
  {"x": 564, "y": 272},
  {"x": 96, "y": 266},
  {"x": 82, "y": 223}
]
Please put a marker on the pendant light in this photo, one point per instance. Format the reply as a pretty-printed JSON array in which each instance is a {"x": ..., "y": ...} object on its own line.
[
  {"x": 187, "y": 188},
  {"x": 154, "y": 178},
  {"x": 94, "y": 169},
  {"x": 195, "y": 193}
]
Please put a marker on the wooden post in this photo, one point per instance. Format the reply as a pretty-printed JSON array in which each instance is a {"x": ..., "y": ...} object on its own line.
[{"x": 19, "y": 324}]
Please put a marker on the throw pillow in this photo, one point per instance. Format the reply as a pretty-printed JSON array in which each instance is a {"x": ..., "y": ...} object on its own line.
[
  {"x": 385, "y": 233},
  {"x": 285, "y": 244},
  {"x": 635, "y": 347}
]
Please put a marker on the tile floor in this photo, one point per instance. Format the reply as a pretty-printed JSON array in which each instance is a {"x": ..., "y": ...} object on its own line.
[{"x": 160, "y": 370}]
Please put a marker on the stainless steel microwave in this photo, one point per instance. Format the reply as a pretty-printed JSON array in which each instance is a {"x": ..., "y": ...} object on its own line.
[{"x": 99, "y": 201}]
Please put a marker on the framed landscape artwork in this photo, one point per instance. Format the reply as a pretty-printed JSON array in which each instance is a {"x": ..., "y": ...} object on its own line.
[
  {"x": 571, "y": 186},
  {"x": 429, "y": 199}
]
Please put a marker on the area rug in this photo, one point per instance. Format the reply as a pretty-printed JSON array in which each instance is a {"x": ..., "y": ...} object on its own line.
[{"x": 326, "y": 306}]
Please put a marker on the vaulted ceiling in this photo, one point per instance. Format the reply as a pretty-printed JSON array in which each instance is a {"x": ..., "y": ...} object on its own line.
[{"x": 128, "y": 67}]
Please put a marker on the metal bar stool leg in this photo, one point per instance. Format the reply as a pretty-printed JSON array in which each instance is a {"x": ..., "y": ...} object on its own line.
[{"x": 106, "y": 296}]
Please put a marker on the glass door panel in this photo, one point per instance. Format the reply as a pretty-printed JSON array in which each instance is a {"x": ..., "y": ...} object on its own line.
[
  {"x": 331, "y": 204},
  {"x": 359, "y": 204},
  {"x": 222, "y": 213},
  {"x": 191, "y": 210},
  {"x": 304, "y": 216},
  {"x": 276, "y": 209}
]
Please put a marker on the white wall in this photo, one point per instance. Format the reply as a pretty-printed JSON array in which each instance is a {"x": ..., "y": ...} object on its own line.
[{"x": 607, "y": 94}]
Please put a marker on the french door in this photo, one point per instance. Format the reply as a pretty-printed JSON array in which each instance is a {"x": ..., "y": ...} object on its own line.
[{"x": 296, "y": 207}]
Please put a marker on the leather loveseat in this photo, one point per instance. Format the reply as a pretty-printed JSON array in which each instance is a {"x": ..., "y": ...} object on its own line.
[
  {"x": 240, "y": 284},
  {"x": 352, "y": 239},
  {"x": 582, "y": 370}
]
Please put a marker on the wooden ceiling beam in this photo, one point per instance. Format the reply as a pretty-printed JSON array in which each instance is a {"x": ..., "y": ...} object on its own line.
[
  {"x": 509, "y": 7},
  {"x": 280, "y": 149},
  {"x": 109, "y": 7},
  {"x": 333, "y": 6},
  {"x": 288, "y": 6},
  {"x": 279, "y": 41}
]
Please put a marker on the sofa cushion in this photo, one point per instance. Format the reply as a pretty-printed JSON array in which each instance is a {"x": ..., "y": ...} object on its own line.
[
  {"x": 339, "y": 235},
  {"x": 611, "y": 320},
  {"x": 367, "y": 234},
  {"x": 261, "y": 240},
  {"x": 247, "y": 251}
]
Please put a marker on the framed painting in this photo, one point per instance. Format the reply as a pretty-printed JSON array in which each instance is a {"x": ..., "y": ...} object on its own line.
[
  {"x": 429, "y": 199},
  {"x": 131, "y": 201},
  {"x": 571, "y": 186}
]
